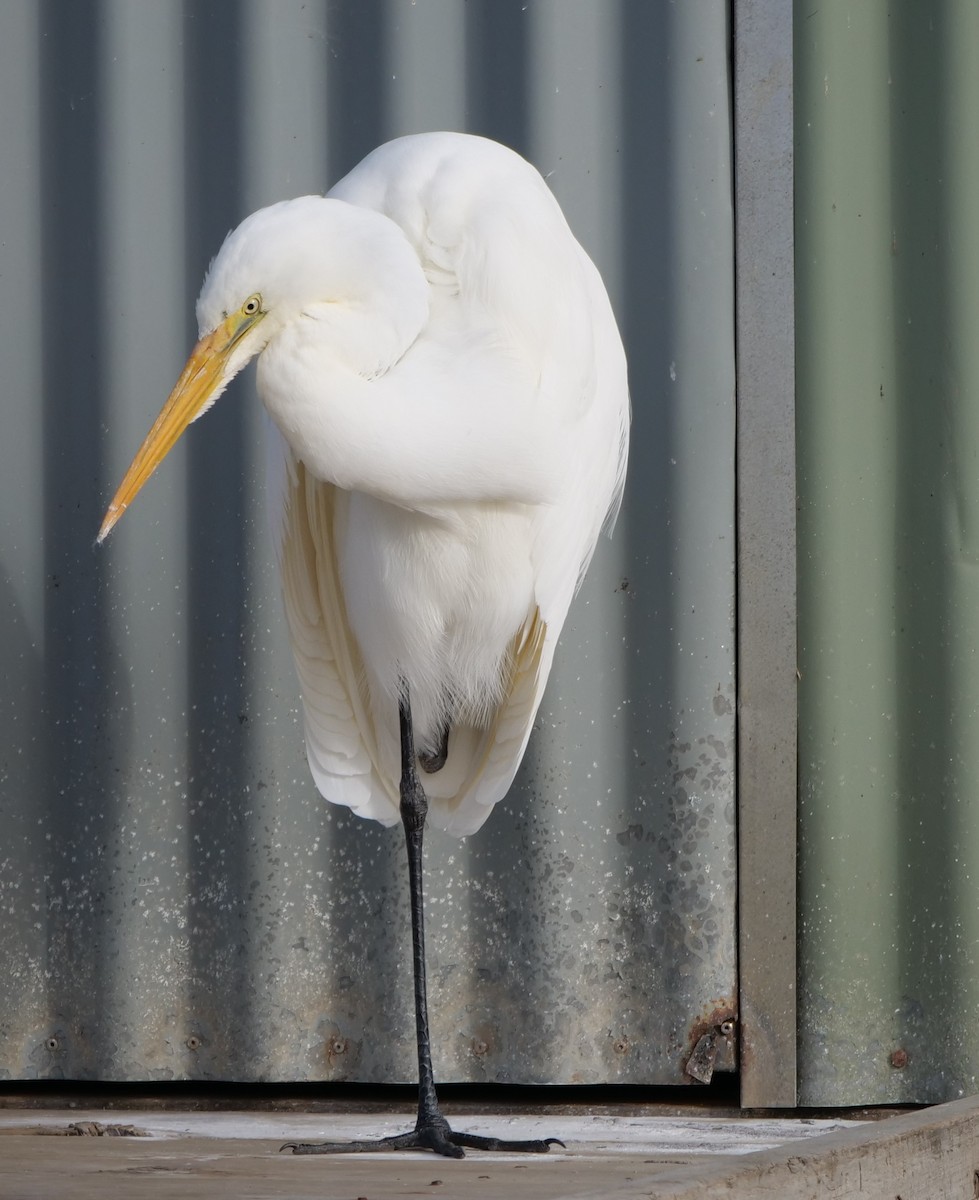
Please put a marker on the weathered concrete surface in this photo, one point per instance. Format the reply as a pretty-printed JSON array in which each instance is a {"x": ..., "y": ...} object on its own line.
[{"x": 929, "y": 1155}]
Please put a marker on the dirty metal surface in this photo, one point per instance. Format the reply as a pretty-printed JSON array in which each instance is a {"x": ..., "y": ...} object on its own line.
[{"x": 177, "y": 901}]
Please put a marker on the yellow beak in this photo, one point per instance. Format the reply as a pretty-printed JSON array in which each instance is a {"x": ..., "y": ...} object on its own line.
[{"x": 203, "y": 375}]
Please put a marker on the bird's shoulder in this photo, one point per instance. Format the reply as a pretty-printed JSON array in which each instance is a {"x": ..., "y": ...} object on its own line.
[{"x": 490, "y": 237}]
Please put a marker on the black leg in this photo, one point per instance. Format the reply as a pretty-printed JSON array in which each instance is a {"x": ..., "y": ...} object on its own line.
[{"x": 432, "y": 1131}]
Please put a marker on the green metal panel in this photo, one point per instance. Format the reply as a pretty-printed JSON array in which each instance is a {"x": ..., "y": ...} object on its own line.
[{"x": 887, "y": 262}]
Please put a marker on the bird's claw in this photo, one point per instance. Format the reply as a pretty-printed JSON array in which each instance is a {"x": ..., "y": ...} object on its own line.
[{"x": 439, "y": 1140}]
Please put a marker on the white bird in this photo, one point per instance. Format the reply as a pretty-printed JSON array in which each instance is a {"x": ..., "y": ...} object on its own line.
[{"x": 443, "y": 369}]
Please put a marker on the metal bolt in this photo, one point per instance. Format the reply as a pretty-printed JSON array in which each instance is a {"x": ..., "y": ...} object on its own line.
[
  {"x": 726, "y": 1028},
  {"x": 338, "y": 1045},
  {"x": 52, "y": 1043},
  {"x": 899, "y": 1059},
  {"x": 193, "y": 1042}
]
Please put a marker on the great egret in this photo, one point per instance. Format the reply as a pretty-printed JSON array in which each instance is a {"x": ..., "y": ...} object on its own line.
[{"x": 441, "y": 361}]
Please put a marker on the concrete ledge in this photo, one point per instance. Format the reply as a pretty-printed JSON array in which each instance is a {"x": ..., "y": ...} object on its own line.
[
  {"x": 928, "y": 1155},
  {"x": 932, "y": 1154}
]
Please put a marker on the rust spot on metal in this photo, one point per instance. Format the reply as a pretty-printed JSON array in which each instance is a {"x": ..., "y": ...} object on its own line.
[
  {"x": 706, "y": 1038},
  {"x": 899, "y": 1058},
  {"x": 482, "y": 1040},
  {"x": 723, "y": 1012}
]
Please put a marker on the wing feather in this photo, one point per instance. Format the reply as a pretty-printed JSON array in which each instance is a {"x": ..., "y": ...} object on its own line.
[{"x": 341, "y": 738}]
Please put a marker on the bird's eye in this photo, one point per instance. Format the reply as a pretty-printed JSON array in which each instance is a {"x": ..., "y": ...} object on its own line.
[{"x": 252, "y": 306}]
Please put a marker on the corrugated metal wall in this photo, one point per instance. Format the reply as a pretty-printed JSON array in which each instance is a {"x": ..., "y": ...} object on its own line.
[
  {"x": 888, "y": 424},
  {"x": 177, "y": 903}
]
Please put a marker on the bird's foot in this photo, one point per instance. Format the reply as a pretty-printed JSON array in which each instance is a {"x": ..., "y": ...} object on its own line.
[
  {"x": 434, "y": 1136},
  {"x": 432, "y": 758}
]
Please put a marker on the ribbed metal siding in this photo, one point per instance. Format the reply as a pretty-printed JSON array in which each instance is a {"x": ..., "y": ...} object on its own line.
[
  {"x": 888, "y": 296},
  {"x": 177, "y": 902}
]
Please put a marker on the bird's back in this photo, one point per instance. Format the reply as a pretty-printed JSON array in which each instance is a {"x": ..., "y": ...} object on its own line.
[{"x": 500, "y": 260}]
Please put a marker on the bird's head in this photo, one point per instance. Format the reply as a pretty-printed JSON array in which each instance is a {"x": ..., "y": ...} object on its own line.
[{"x": 350, "y": 269}]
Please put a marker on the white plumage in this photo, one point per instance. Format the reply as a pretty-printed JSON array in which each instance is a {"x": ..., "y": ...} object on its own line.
[
  {"x": 450, "y": 414},
  {"x": 439, "y": 509},
  {"x": 441, "y": 362}
]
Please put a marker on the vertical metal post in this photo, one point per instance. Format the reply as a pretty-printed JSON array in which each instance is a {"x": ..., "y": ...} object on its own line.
[{"x": 767, "y": 755}]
